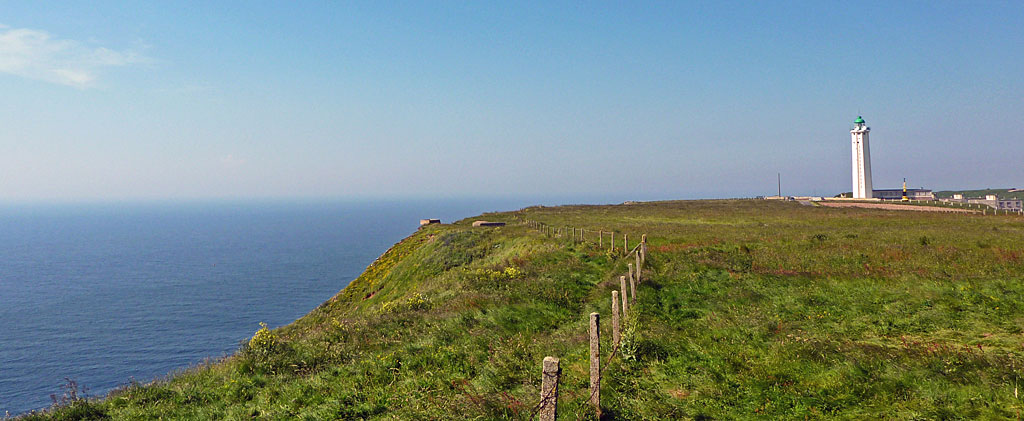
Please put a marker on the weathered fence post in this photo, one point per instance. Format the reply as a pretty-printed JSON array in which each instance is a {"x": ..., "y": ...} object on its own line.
[
  {"x": 595, "y": 363},
  {"x": 600, "y": 239},
  {"x": 625, "y": 300},
  {"x": 643, "y": 248},
  {"x": 616, "y": 333},
  {"x": 625, "y": 243},
  {"x": 630, "y": 271},
  {"x": 549, "y": 389},
  {"x": 612, "y": 242}
]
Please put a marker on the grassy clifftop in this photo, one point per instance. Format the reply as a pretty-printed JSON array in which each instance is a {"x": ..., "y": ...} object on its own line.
[{"x": 751, "y": 309}]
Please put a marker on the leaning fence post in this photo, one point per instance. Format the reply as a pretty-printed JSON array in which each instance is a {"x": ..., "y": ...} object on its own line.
[
  {"x": 549, "y": 389},
  {"x": 616, "y": 335},
  {"x": 595, "y": 363},
  {"x": 625, "y": 301}
]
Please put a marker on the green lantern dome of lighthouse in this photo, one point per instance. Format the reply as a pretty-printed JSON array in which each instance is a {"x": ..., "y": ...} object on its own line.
[{"x": 859, "y": 120}]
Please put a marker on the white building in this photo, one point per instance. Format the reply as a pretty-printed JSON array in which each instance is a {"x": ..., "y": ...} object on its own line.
[{"x": 861, "y": 160}]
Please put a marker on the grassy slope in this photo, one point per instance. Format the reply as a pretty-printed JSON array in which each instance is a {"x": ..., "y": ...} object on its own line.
[{"x": 753, "y": 309}]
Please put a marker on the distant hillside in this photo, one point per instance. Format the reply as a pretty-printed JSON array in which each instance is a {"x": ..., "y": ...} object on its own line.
[{"x": 1002, "y": 193}]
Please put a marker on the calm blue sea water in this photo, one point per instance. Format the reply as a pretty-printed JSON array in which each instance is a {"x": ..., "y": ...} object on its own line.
[{"x": 106, "y": 293}]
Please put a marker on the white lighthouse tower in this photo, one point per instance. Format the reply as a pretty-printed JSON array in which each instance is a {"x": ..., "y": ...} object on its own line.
[{"x": 861, "y": 160}]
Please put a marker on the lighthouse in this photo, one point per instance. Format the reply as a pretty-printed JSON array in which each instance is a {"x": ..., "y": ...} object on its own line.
[{"x": 861, "y": 159}]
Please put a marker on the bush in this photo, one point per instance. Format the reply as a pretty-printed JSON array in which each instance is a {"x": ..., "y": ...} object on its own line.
[
  {"x": 416, "y": 302},
  {"x": 263, "y": 342},
  {"x": 262, "y": 348}
]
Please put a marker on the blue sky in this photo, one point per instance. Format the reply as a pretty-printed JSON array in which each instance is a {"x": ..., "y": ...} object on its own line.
[{"x": 257, "y": 100}]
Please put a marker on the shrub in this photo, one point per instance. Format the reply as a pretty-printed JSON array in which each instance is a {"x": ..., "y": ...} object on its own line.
[
  {"x": 512, "y": 272},
  {"x": 489, "y": 277},
  {"x": 262, "y": 346},
  {"x": 415, "y": 302}
]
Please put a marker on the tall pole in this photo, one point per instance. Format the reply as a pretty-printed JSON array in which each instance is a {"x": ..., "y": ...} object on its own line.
[{"x": 780, "y": 184}]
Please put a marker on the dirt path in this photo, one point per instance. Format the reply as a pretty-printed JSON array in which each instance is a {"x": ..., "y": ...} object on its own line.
[{"x": 889, "y": 206}]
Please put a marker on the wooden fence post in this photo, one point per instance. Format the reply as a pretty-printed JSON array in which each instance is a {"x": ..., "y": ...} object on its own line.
[
  {"x": 630, "y": 271},
  {"x": 643, "y": 248},
  {"x": 625, "y": 300},
  {"x": 595, "y": 363},
  {"x": 612, "y": 242},
  {"x": 616, "y": 333},
  {"x": 600, "y": 239},
  {"x": 625, "y": 243},
  {"x": 549, "y": 389}
]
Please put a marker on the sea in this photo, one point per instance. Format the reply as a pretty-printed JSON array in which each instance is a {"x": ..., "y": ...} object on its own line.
[{"x": 106, "y": 294}]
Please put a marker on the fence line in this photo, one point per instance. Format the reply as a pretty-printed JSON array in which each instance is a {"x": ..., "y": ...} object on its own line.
[{"x": 546, "y": 409}]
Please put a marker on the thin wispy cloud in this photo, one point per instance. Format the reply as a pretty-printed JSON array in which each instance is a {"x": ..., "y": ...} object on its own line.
[{"x": 36, "y": 54}]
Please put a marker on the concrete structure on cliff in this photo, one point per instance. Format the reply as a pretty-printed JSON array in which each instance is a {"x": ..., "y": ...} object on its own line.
[{"x": 861, "y": 160}]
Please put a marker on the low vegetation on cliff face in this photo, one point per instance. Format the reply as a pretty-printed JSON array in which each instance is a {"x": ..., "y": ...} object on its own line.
[{"x": 749, "y": 309}]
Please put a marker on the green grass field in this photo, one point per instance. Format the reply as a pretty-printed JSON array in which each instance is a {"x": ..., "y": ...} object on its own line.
[{"x": 751, "y": 309}]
